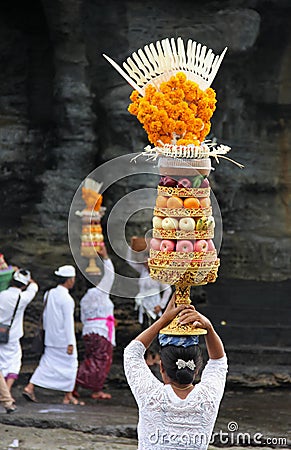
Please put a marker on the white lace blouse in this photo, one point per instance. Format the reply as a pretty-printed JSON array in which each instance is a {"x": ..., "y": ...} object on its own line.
[{"x": 167, "y": 422}]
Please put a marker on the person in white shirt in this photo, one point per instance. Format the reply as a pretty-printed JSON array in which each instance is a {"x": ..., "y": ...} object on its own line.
[
  {"x": 97, "y": 316},
  {"x": 152, "y": 296},
  {"x": 58, "y": 365},
  {"x": 176, "y": 414},
  {"x": 23, "y": 289}
]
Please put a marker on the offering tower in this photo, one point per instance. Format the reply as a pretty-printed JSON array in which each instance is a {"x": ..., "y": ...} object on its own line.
[
  {"x": 92, "y": 238},
  {"x": 174, "y": 102}
]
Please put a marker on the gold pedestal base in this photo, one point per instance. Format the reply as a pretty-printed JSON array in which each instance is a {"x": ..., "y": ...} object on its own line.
[
  {"x": 91, "y": 253},
  {"x": 183, "y": 273},
  {"x": 92, "y": 268},
  {"x": 175, "y": 328}
]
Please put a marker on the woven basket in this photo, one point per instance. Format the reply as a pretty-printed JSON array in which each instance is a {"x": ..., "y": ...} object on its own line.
[{"x": 184, "y": 167}]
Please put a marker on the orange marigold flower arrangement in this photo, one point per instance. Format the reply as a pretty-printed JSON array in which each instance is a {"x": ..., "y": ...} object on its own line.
[{"x": 179, "y": 112}]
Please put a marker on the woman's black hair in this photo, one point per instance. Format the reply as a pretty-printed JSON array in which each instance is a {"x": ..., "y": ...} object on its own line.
[{"x": 169, "y": 357}]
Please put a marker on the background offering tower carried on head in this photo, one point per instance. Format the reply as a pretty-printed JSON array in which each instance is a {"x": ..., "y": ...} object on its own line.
[
  {"x": 92, "y": 239},
  {"x": 174, "y": 103}
]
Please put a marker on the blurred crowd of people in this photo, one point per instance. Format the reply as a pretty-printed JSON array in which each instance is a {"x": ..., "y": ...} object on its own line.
[{"x": 58, "y": 367}]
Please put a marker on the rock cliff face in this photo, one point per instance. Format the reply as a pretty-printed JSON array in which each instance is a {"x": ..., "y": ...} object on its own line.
[{"x": 63, "y": 112}]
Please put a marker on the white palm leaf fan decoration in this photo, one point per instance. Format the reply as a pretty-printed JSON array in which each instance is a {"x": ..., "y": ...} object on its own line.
[
  {"x": 158, "y": 62},
  {"x": 89, "y": 183}
]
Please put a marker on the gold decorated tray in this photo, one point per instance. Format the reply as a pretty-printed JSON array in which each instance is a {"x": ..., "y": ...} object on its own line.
[
  {"x": 182, "y": 264},
  {"x": 92, "y": 239},
  {"x": 184, "y": 192},
  {"x": 176, "y": 329},
  {"x": 202, "y": 273},
  {"x": 179, "y": 234},
  {"x": 188, "y": 256},
  {"x": 90, "y": 252},
  {"x": 182, "y": 212}
]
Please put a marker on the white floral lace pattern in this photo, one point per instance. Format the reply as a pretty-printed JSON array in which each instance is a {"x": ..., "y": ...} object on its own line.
[{"x": 167, "y": 422}]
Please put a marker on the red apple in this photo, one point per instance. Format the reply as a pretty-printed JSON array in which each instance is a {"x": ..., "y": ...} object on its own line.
[
  {"x": 211, "y": 245},
  {"x": 184, "y": 183},
  {"x": 167, "y": 245},
  {"x": 205, "y": 183},
  {"x": 184, "y": 246},
  {"x": 200, "y": 246},
  {"x": 155, "y": 244},
  {"x": 168, "y": 181}
]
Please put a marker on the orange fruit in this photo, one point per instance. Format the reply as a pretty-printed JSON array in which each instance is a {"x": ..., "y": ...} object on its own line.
[
  {"x": 175, "y": 202},
  {"x": 161, "y": 201},
  {"x": 205, "y": 202},
  {"x": 191, "y": 202}
]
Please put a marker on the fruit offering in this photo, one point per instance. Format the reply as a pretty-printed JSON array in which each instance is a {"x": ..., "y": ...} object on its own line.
[
  {"x": 182, "y": 245},
  {"x": 167, "y": 245},
  {"x": 187, "y": 224},
  {"x": 191, "y": 202},
  {"x": 174, "y": 102},
  {"x": 198, "y": 181}
]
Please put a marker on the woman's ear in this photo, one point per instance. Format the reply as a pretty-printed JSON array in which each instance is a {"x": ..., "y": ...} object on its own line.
[{"x": 162, "y": 370}]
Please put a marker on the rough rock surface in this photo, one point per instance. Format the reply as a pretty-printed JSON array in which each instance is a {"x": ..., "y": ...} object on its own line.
[{"x": 63, "y": 112}]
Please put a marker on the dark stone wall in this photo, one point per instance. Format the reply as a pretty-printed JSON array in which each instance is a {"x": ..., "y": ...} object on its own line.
[{"x": 63, "y": 112}]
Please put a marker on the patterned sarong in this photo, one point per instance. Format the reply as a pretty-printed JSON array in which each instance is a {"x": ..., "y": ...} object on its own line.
[{"x": 94, "y": 369}]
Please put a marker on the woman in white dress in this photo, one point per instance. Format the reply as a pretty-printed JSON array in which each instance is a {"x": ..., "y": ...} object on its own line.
[
  {"x": 176, "y": 414},
  {"x": 97, "y": 316},
  {"x": 58, "y": 365}
]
